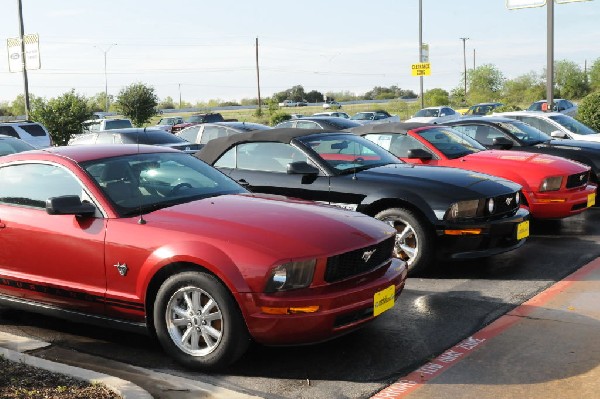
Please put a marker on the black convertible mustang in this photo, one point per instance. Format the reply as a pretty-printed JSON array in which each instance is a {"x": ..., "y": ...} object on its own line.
[
  {"x": 507, "y": 133},
  {"x": 446, "y": 212}
]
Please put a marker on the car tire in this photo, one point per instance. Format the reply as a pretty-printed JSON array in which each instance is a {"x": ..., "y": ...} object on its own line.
[
  {"x": 198, "y": 322},
  {"x": 414, "y": 240}
]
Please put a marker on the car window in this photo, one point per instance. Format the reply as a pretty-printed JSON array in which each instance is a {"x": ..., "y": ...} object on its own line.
[
  {"x": 307, "y": 125},
  {"x": 286, "y": 124},
  {"x": 452, "y": 143},
  {"x": 397, "y": 144},
  {"x": 573, "y": 124},
  {"x": 190, "y": 134},
  {"x": 93, "y": 127},
  {"x": 117, "y": 124},
  {"x": 31, "y": 185},
  {"x": 9, "y": 131},
  {"x": 428, "y": 112},
  {"x": 34, "y": 130},
  {"x": 263, "y": 156},
  {"x": 539, "y": 124},
  {"x": 212, "y": 132}
]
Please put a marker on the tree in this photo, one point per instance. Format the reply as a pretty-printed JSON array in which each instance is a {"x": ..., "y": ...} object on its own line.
[
  {"x": 167, "y": 103},
  {"x": 98, "y": 102},
  {"x": 313, "y": 96},
  {"x": 570, "y": 80},
  {"x": 524, "y": 89},
  {"x": 589, "y": 110},
  {"x": 138, "y": 103},
  {"x": 17, "y": 106},
  {"x": 435, "y": 97},
  {"x": 594, "y": 75},
  {"x": 62, "y": 116},
  {"x": 484, "y": 84}
]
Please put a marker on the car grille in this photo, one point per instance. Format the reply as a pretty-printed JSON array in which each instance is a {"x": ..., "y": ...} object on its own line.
[
  {"x": 578, "y": 180},
  {"x": 352, "y": 263},
  {"x": 506, "y": 204}
]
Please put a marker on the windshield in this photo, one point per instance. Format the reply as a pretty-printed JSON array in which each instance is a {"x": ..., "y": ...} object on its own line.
[
  {"x": 526, "y": 133},
  {"x": 428, "y": 112},
  {"x": 451, "y": 143},
  {"x": 152, "y": 137},
  {"x": 147, "y": 182},
  {"x": 346, "y": 153},
  {"x": 573, "y": 124}
]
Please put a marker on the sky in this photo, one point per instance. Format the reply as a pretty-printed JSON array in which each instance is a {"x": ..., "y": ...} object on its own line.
[{"x": 200, "y": 50}]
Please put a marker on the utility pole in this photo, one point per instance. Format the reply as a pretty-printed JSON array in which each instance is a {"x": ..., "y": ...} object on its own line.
[
  {"x": 25, "y": 80},
  {"x": 179, "y": 95},
  {"x": 464, "y": 39},
  {"x": 550, "y": 55},
  {"x": 421, "y": 50},
  {"x": 105, "y": 74},
  {"x": 473, "y": 59},
  {"x": 258, "y": 76}
]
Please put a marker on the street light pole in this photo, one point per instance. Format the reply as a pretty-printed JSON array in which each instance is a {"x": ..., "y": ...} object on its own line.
[
  {"x": 421, "y": 50},
  {"x": 464, "y": 39},
  {"x": 105, "y": 73}
]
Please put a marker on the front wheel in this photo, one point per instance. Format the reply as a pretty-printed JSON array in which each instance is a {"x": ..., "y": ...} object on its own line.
[
  {"x": 414, "y": 239},
  {"x": 198, "y": 322}
]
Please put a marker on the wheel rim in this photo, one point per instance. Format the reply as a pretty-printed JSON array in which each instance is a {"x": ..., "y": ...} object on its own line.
[
  {"x": 407, "y": 242},
  {"x": 194, "y": 321}
]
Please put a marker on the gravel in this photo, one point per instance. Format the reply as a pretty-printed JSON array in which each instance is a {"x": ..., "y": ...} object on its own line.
[{"x": 18, "y": 380}]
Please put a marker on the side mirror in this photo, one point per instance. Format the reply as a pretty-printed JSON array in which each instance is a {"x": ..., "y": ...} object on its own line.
[
  {"x": 69, "y": 205},
  {"x": 419, "y": 153},
  {"x": 301, "y": 168},
  {"x": 503, "y": 143},
  {"x": 557, "y": 134}
]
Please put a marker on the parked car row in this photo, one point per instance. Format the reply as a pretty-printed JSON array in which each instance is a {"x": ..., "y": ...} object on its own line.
[{"x": 283, "y": 236}]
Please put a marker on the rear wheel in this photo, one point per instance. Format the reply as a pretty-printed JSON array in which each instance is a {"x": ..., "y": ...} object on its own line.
[
  {"x": 414, "y": 239},
  {"x": 198, "y": 322}
]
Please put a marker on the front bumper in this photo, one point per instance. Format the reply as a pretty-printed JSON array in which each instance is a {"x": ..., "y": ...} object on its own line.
[
  {"x": 343, "y": 307},
  {"x": 559, "y": 204},
  {"x": 496, "y": 236}
]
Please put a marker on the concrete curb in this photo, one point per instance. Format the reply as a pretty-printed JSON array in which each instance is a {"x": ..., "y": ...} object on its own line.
[{"x": 126, "y": 389}]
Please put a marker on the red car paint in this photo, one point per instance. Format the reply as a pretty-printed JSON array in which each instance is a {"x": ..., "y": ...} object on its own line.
[
  {"x": 69, "y": 262},
  {"x": 527, "y": 169}
]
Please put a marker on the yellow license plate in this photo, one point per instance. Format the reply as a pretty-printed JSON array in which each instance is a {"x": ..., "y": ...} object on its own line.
[
  {"x": 591, "y": 200},
  {"x": 523, "y": 230},
  {"x": 384, "y": 300}
]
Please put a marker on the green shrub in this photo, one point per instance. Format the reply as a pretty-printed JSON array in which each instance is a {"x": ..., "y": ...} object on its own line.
[
  {"x": 589, "y": 110},
  {"x": 278, "y": 117},
  {"x": 508, "y": 108}
]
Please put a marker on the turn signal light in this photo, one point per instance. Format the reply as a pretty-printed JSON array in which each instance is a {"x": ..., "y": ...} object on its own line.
[
  {"x": 462, "y": 232},
  {"x": 290, "y": 310}
]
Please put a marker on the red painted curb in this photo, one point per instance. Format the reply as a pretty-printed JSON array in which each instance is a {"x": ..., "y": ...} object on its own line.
[{"x": 418, "y": 378}]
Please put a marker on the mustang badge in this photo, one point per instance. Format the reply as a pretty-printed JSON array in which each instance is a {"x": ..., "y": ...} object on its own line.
[
  {"x": 508, "y": 200},
  {"x": 122, "y": 268},
  {"x": 367, "y": 255}
]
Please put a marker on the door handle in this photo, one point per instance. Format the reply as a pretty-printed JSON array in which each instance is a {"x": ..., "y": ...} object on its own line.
[{"x": 243, "y": 183}]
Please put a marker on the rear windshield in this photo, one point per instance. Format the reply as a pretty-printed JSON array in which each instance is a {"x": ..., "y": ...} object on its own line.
[
  {"x": 154, "y": 137},
  {"x": 34, "y": 130},
  {"x": 117, "y": 124}
]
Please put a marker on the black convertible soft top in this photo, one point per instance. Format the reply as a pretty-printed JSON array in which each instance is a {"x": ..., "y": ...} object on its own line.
[
  {"x": 388, "y": 127},
  {"x": 215, "y": 148}
]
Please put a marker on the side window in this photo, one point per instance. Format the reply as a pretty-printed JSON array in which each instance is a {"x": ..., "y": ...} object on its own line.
[
  {"x": 94, "y": 127},
  {"x": 397, "y": 144},
  {"x": 539, "y": 124},
  {"x": 286, "y": 124},
  {"x": 267, "y": 157},
  {"x": 307, "y": 125},
  {"x": 32, "y": 184},
  {"x": 190, "y": 134},
  {"x": 212, "y": 132},
  {"x": 227, "y": 160},
  {"x": 467, "y": 129},
  {"x": 9, "y": 131}
]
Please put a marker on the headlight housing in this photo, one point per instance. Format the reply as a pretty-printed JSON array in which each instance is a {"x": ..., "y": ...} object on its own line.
[
  {"x": 463, "y": 210},
  {"x": 551, "y": 183},
  {"x": 291, "y": 275}
]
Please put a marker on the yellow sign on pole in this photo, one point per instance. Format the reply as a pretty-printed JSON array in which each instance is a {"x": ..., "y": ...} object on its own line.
[{"x": 421, "y": 69}]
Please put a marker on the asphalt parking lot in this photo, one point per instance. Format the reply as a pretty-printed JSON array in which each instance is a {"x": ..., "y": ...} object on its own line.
[{"x": 434, "y": 313}]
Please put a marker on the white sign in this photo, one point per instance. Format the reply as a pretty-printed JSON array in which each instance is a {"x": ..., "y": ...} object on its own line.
[
  {"x": 515, "y": 4},
  {"x": 425, "y": 52},
  {"x": 32, "y": 53}
]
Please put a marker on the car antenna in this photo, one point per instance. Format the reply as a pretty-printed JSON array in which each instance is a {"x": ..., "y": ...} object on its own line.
[{"x": 141, "y": 220}]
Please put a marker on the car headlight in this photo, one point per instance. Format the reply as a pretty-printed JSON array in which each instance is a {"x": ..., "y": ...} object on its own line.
[
  {"x": 491, "y": 206},
  {"x": 291, "y": 275},
  {"x": 463, "y": 210},
  {"x": 518, "y": 198},
  {"x": 551, "y": 183}
]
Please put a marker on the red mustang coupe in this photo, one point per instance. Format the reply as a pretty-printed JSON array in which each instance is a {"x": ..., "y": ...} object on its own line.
[
  {"x": 553, "y": 187},
  {"x": 144, "y": 237}
]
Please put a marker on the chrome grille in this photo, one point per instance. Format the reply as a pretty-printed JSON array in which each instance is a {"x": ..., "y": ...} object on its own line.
[{"x": 352, "y": 263}]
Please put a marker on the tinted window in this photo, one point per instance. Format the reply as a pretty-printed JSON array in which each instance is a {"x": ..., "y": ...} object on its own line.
[
  {"x": 397, "y": 144},
  {"x": 9, "y": 131},
  {"x": 268, "y": 157},
  {"x": 34, "y": 130},
  {"x": 117, "y": 124},
  {"x": 10, "y": 146},
  {"x": 32, "y": 184},
  {"x": 152, "y": 137}
]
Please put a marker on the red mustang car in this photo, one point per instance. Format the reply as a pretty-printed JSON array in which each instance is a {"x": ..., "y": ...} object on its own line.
[
  {"x": 553, "y": 187},
  {"x": 144, "y": 237}
]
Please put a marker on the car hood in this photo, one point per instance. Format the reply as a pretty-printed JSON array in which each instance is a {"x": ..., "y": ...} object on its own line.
[
  {"x": 452, "y": 182},
  {"x": 500, "y": 162},
  {"x": 272, "y": 225}
]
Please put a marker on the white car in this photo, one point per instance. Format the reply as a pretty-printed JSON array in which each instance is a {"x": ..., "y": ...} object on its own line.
[
  {"x": 435, "y": 115},
  {"x": 560, "y": 105},
  {"x": 337, "y": 114},
  {"x": 555, "y": 124},
  {"x": 33, "y": 133},
  {"x": 332, "y": 105}
]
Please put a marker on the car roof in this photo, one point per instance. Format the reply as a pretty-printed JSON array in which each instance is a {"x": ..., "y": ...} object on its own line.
[
  {"x": 133, "y": 130},
  {"x": 239, "y": 125},
  {"x": 391, "y": 127},
  {"x": 216, "y": 147},
  {"x": 82, "y": 153},
  {"x": 541, "y": 114},
  {"x": 481, "y": 119}
]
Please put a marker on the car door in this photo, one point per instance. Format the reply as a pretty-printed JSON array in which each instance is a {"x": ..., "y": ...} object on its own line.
[
  {"x": 54, "y": 259},
  {"x": 262, "y": 167}
]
